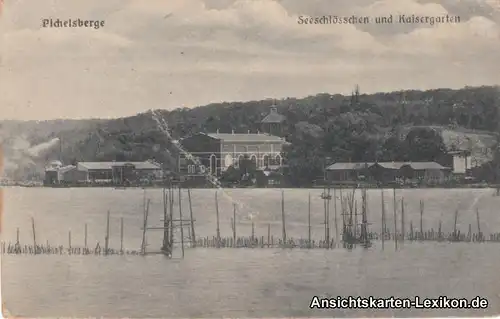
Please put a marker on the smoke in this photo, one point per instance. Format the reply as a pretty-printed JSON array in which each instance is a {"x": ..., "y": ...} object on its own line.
[
  {"x": 40, "y": 149},
  {"x": 20, "y": 155}
]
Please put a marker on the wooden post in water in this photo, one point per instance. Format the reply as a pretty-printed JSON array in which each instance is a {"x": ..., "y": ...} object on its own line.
[
  {"x": 395, "y": 219},
  {"x": 171, "y": 232},
  {"x": 181, "y": 222},
  {"x": 324, "y": 213},
  {"x": 328, "y": 218},
  {"x": 440, "y": 232},
  {"x": 34, "y": 234},
  {"x": 411, "y": 230},
  {"x": 144, "y": 228},
  {"x": 455, "y": 235},
  {"x": 403, "y": 231},
  {"x": 69, "y": 239},
  {"x": 106, "y": 239},
  {"x": 309, "y": 222},
  {"x": 253, "y": 233},
  {"x": 17, "y": 236},
  {"x": 478, "y": 226},
  {"x": 268, "y": 235},
  {"x": 234, "y": 223},
  {"x": 121, "y": 235},
  {"x": 421, "y": 220},
  {"x": 193, "y": 235},
  {"x": 166, "y": 247},
  {"x": 85, "y": 236},
  {"x": 383, "y": 219},
  {"x": 336, "y": 223},
  {"x": 217, "y": 218},
  {"x": 283, "y": 216}
]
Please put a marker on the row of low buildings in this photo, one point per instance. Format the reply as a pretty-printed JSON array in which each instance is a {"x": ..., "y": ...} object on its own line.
[
  {"x": 103, "y": 172},
  {"x": 428, "y": 172}
]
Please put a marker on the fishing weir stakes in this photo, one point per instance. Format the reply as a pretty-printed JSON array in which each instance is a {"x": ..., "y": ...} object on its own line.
[{"x": 354, "y": 230}]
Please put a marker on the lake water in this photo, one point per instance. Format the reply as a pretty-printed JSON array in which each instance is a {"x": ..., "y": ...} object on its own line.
[{"x": 238, "y": 282}]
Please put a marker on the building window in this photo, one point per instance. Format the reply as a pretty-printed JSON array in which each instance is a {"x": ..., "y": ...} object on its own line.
[
  {"x": 277, "y": 160},
  {"x": 213, "y": 164},
  {"x": 253, "y": 158},
  {"x": 265, "y": 160},
  {"x": 241, "y": 158},
  {"x": 228, "y": 160}
]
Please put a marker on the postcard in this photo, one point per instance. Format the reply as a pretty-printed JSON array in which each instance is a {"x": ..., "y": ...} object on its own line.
[{"x": 250, "y": 158}]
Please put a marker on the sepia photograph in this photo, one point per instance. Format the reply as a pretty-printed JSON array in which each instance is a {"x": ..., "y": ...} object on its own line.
[{"x": 250, "y": 158}]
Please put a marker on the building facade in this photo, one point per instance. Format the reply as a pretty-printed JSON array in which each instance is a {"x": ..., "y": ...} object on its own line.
[{"x": 216, "y": 152}]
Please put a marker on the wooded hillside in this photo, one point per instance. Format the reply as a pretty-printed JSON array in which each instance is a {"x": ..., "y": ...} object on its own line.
[{"x": 356, "y": 128}]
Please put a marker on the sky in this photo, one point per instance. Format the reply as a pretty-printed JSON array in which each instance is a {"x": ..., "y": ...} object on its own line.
[{"x": 186, "y": 53}]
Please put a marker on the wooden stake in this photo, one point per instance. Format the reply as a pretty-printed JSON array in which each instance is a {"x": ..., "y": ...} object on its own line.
[
  {"x": 324, "y": 212},
  {"x": 383, "y": 219},
  {"x": 85, "y": 238},
  {"x": 268, "y": 235},
  {"x": 106, "y": 239},
  {"x": 253, "y": 233},
  {"x": 309, "y": 222},
  {"x": 395, "y": 220},
  {"x": 478, "y": 225},
  {"x": 440, "y": 232},
  {"x": 283, "y": 216},
  {"x": 403, "y": 231},
  {"x": 335, "y": 221},
  {"x": 234, "y": 223},
  {"x": 421, "y": 220},
  {"x": 455, "y": 237},
  {"x": 34, "y": 234},
  {"x": 181, "y": 222},
  {"x": 217, "y": 218},
  {"x": 166, "y": 247},
  {"x": 69, "y": 239},
  {"x": 328, "y": 218},
  {"x": 17, "y": 236},
  {"x": 193, "y": 235},
  {"x": 121, "y": 235},
  {"x": 145, "y": 226},
  {"x": 171, "y": 232}
]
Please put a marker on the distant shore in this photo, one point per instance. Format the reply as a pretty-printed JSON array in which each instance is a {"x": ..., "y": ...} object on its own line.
[{"x": 336, "y": 185}]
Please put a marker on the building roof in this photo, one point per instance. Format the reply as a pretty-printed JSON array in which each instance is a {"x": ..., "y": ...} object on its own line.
[
  {"x": 237, "y": 137},
  {"x": 425, "y": 165},
  {"x": 392, "y": 165},
  {"x": 388, "y": 165},
  {"x": 274, "y": 116},
  {"x": 348, "y": 166},
  {"x": 109, "y": 165},
  {"x": 66, "y": 169}
]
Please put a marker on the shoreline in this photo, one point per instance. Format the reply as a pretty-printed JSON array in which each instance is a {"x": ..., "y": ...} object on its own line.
[{"x": 343, "y": 186}]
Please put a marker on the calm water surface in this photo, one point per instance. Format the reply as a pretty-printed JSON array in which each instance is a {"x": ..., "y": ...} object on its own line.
[{"x": 237, "y": 282}]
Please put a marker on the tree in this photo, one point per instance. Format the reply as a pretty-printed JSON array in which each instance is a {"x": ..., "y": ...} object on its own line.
[{"x": 424, "y": 144}]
